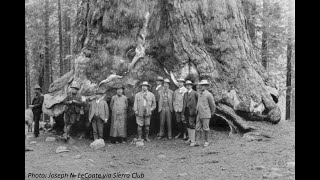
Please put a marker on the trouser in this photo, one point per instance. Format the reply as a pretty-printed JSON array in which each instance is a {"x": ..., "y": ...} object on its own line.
[
  {"x": 36, "y": 119},
  {"x": 155, "y": 120},
  {"x": 97, "y": 127},
  {"x": 202, "y": 124},
  {"x": 180, "y": 123},
  {"x": 165, "y": 116},
  {"x": 69, "y": 119},
  {"x": 143, "y": 121},
  {"x": 191, "y": 122}
]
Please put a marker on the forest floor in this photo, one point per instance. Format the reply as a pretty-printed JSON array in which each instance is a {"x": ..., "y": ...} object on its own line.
[{"x": 226, "y": 158}]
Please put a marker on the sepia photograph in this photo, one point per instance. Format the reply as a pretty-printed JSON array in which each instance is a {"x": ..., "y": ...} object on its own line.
[{"x": 160, "y": 89}]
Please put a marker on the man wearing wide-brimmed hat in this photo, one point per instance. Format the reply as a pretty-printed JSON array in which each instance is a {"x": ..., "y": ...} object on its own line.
[
  {"x": 119, "y": 108},
  {"x": 190, "y": 101},
  {"x": 205, "y": 110},
  {"x": 155, "y": 114},
  {"x": 177, "y": 107},
  {"x": 37, "y": 108},
  {"x": 144, "y": 104},
  {"x": 165, "y": 108},
  {"x": 98, "y": 114},
  {"x": 72, "y": 112}
]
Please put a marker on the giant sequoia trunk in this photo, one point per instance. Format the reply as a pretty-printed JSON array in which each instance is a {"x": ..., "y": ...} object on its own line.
[{"x": 127, "y": 42}]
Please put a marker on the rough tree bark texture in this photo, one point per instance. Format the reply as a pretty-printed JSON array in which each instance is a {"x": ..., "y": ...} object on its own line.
[
  {"x": 264, "y": 43},
  {"x": 190, "y": 39},
  {"x": 27, "y": 76},
  {"x": 250, "y": 11},
  {"x": 46, "y": 75}
]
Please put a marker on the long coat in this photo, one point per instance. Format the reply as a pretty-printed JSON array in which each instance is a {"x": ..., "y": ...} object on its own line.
[
  {"x": 206, "y": 105},
  {"x": 170, "y": 98},
  {"x": 119, "y": 107}
]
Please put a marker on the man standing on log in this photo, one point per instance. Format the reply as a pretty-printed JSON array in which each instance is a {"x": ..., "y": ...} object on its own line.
[
  {"x": 144, "y": 104},
  {"x": 119, "y": 107},
  {"x": 190, "y": 101},
  {"x": 205, "y": 110},
  {"x": 72, "y": 112},
  {"x": 155, "y": 115},
  {"x": 165, "y": 108},
  {"x": 177, "y": 106},
  {"x": 98, "y": 114},
  {"x": 37, "y": 108}
]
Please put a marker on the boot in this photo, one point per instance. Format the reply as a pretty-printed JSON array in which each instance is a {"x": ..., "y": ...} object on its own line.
[
  {"x": 147, "y": 133},
  {"x": 194, "y": 138},
  {"x": 189, "y": 134},
  {"x": 206, "y": 143},
  {"x": 139, "y": 133}
]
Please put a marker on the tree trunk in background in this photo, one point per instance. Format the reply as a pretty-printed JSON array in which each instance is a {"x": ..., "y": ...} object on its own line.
[
  {"x": 27, "y": 74},
  {"x": 67, "y": 36},
  {"x": 177, "y": 39},
  {"x": 46, "y": 49},
  {"x": 264, "y": 43},
  {"x": 250, "y": 10},
  {"x": 289, "y": 58},
  {"x": 60, "y": 40}
]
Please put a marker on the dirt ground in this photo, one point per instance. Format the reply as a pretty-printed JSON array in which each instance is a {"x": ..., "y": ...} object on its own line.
[{"x": 226, "y": 158}]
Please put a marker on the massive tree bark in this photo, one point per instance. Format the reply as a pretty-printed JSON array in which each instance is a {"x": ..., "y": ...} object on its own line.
[
  {"x": 264, "y": 43},
  {"x": 193, "y": 39},
  {"x": 27, "y": 76},
  {"x": 250, "y": 11},
  {"x": 46, "y": 74}
]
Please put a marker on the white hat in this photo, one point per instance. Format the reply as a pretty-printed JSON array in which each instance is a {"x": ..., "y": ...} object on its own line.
[{"x": 204, "y": 82}]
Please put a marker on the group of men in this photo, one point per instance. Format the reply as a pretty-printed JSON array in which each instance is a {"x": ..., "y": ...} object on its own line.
[{"x": 192, "y": 110}]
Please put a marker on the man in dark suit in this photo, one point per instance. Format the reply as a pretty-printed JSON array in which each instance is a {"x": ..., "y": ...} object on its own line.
[
  {"x": 190, "y": 100},
  {"x": 37, "y": 109},
  {"x": 205, "y": 110},
  {"x": 165, "y": 109},
  {"x": 98, "y": 114},
  {"x": 155, "y": 114}
]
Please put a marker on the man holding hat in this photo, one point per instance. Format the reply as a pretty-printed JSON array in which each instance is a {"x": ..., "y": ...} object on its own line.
[
  {"x": 155, "y": 114},
  {"x": 165, "y": 108},
  {"x": 98, "y": 114},
  {"x": 37, "y": 108},
  {"x": 72, "y": 112},
  {"x": 190, "y": 101},
  {"x": 205, "y": 110},
  {"x": 177, "y": 106},
  {"x": 119, "y": 107},
  {"x": 144, "y": 104}
]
